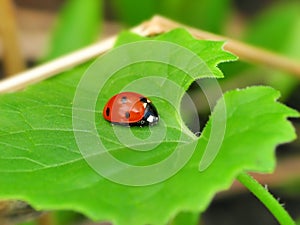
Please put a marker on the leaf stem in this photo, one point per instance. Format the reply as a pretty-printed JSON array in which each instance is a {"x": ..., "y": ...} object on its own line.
[{"x": 266, "y": 198}]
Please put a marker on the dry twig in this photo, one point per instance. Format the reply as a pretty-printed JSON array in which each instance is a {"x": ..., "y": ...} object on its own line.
[
  {"x": 245, "y": 52},
  {"x": 13, "y": 59},
  {"x": 156, "y": 25}
]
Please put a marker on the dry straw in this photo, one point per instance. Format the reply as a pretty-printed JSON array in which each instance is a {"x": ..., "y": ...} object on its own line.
[{"x": 156, "y": 25}]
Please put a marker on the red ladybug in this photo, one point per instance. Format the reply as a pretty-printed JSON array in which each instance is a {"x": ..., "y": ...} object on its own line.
[{"x": 130, "y": 109}]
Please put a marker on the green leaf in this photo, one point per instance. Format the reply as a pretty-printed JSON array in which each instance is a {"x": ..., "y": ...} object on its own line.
[
  {"x": 210, "y": 15},
  {"x": 78, "y": 25},
  {"x": 40, "y": 161},
  {"x": 132, "y": 12},
  {"x": 186, "y": 218},
  {"x": 65, "y": 217}
]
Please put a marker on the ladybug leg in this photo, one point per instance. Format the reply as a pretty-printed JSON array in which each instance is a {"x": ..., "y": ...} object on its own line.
[{"x": 142, "y": 122}]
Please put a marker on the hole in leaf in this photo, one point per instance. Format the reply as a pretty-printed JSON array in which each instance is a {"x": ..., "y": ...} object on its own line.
[{"x": 195, "y": 109}]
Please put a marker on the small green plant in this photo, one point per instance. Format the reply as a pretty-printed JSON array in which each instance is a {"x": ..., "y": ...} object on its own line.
[{"x": 42, "y": 163}]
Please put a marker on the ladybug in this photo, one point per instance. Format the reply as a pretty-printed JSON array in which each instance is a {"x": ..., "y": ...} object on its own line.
[{"x": 130, "y": 109}]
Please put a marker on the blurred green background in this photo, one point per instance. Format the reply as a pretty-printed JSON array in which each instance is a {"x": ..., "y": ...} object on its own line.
[{"x": 50, "y": 28}]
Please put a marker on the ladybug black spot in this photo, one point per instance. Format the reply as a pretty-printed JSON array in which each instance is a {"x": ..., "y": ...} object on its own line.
[
  {"x": 107, "y": 111},
  {"x": 143, "y": 99},
  {"x": 124, "y": 100},
  {"x": 127, "y": 115}
]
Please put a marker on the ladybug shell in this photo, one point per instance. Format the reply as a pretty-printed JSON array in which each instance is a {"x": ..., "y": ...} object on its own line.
[{"x": 130, "y": 108}]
